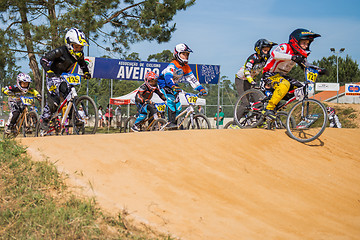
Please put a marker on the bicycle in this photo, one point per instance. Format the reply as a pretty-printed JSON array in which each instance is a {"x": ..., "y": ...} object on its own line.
[
  {"x": 149, "y": 123},
  {"x": 249, "y": 107},
  {"x": 196, "y": 121},
  {"x": 26, "y": 122},
  {"x": 75, "y": 115},
  {"x": 309, "y": 114}
]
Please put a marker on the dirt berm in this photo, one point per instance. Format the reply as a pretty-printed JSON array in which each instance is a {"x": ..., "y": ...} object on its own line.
[{"x": 219, "y": 184}]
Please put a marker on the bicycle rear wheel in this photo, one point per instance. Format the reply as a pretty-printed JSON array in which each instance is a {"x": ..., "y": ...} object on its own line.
[
  {"x": 129, "y": 123},
  {"x": 29, "y": 127},
  {"x": 310, "y": 120},
  {"x": 199, "y": 122},
  {"x": 85, "y": 116},
  {"x": 248, "y": 109}
]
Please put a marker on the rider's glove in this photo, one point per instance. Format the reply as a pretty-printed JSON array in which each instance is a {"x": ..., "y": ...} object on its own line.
[
  {"x": 176, "y": 88},
  {"x": 50, "y": 74},
  {"x": 203, "y": 92},
  {"x": 87, "y": 75},
  {"x": 147, "y": 101},
  {"x": 298, "y": 59},
  {"x": 38, "y": 97}
]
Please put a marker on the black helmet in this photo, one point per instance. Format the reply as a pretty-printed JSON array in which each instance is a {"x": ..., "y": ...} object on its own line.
[
  {"x": 298, "y": 35},
  {"x": 260, "y": 44}
]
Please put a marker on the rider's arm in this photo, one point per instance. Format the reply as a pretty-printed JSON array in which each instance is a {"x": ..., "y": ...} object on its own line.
[
  {"x": 49, "y": 57},
  {"x": 34, "y": 92},
  {"x": 83, "y": 65},
  {"x": 10, "y": 90},
  {"x": 282, "y": 52},
  {"x": 160, "y": 94},
  {"x": 139, "y": 97},
  {"x": 190, "y": 78}
]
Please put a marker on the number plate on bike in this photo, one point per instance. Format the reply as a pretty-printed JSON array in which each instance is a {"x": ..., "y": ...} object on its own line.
[
  {"x": 299, "y": 93},
  {"x": 311, "y": 75},
  {"x": 28, "y": 101},
  {"x": 191, "y": 98},
  {"x": 160, "y": 107},
  {"x": 72, "y": 79}
]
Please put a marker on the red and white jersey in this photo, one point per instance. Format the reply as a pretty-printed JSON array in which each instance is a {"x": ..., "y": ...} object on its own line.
[{"x": 280, "y": 60}]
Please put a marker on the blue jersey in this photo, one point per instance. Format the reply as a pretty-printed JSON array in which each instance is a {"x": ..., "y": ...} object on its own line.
[{"x": 175, "y": 73}]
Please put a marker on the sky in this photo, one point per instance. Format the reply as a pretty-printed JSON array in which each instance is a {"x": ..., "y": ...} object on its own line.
[{"x": 224, "y": 32}]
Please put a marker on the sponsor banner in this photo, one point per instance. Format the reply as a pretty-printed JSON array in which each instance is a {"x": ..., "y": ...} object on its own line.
[
  {"x": 352, "y": 90},
  {"x": 311, "y": 90},
  {"x": 134, "y": 70},
  {"x": 327, "y": 86}
]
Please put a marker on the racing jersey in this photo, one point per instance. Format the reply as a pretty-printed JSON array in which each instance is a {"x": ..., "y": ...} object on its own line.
[
  {"x": 280, "y": 60},
  {"x": 251, "y": 69},
  {"x": 145, "y": 93},
  {"x": 14, "y": 93},
  {"x": 175, "y": 73},
  {"x": 60, "y": 60}
]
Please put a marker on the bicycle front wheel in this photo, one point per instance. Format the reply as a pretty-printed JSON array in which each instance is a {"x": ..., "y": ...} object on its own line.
[
  {"x": 199, "y": 122},
  {"x": 310, "y": 120},
  {"x": 158, "y": 124},
  {"x": 29, "y": 127},
  {"x": 248, "y": 108},
  {"x": 231, "y": 125},
  {"x": 85, "y": 116}
]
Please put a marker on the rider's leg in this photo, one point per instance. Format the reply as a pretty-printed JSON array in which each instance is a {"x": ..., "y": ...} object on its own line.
[
  {"x": 280, "y": 90},
  {"x": 142, "y": 113}
]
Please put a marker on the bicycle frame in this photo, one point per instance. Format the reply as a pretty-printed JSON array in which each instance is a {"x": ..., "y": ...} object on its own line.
[{"x": 189, "y": 111}]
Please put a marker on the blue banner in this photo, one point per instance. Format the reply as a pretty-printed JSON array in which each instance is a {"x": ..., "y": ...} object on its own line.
[{"x": 134, "y": 70}]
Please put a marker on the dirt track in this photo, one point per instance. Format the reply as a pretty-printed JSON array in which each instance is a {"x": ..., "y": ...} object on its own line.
[{"x": 219, "y": 184}]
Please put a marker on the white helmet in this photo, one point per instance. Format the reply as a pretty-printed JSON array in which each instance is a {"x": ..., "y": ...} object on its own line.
[
  {"x": 182, "y": 47},
  {"x": 23, "y": 77},
  {"x": 75, "y": 36}
]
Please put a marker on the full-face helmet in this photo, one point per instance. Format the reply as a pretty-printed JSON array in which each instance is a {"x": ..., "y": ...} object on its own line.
[
  {"x": 330, "y": 110},
  {"x": 181, "y": 48},
  {"x": 23, "y": 81},
  {"x": 300, "y": 34},
  {"x": 75, "y": 36},
  {"x": 151, "y": 80},
  {"x": 262, "y": 43}
]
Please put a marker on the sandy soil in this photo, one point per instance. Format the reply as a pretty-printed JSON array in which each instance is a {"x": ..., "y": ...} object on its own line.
[{"x": 219, "y": 184}]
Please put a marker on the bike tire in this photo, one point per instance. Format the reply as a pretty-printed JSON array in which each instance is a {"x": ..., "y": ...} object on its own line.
[
  {"x": 310, "y": 108},
  {"x": 29, "y": 127},
  {"x": 129, "y": 123},
  {"x": 200, "y": 122},
  {"x": 231, "y": 125},
  {"x": 245, "y": 115},
  {"x": 158, "y": 124},
  {"x": 91, "y": 114}
]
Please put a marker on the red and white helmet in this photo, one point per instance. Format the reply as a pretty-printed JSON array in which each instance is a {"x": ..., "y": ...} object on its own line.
[
  {"x": 180, "y": 48},
  {"x": 330, "y": 110},
  {"x": 23, "y": 77},
  {"x": 150, "y": 77}
]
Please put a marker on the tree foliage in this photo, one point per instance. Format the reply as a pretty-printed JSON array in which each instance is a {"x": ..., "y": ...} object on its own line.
[
  {"x": 164, "y": 56},
  {"x": 36, "y": 26}
]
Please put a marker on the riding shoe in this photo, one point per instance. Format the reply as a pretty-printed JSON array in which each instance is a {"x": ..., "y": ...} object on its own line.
[
  {"x": 269, "y": 114},
  {"x": 135, "y": 128},
  {"x": 172, "y": 126}
]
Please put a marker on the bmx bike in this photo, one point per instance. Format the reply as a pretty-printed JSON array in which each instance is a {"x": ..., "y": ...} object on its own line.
[
  {"x": 75, "y": 115},
  {"x": 194, "y": 121},
  {"x": 26, "y": 122},
  {"x": 149, "y": 123}
]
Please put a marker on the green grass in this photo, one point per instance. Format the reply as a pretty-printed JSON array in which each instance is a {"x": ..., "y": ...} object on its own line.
[{"x": 36, "y": 204}]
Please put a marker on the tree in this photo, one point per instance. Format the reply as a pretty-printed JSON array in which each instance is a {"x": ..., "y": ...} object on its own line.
[
  {"x": 36, "y": 26},
  {"x": 164, "y": 56}
]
